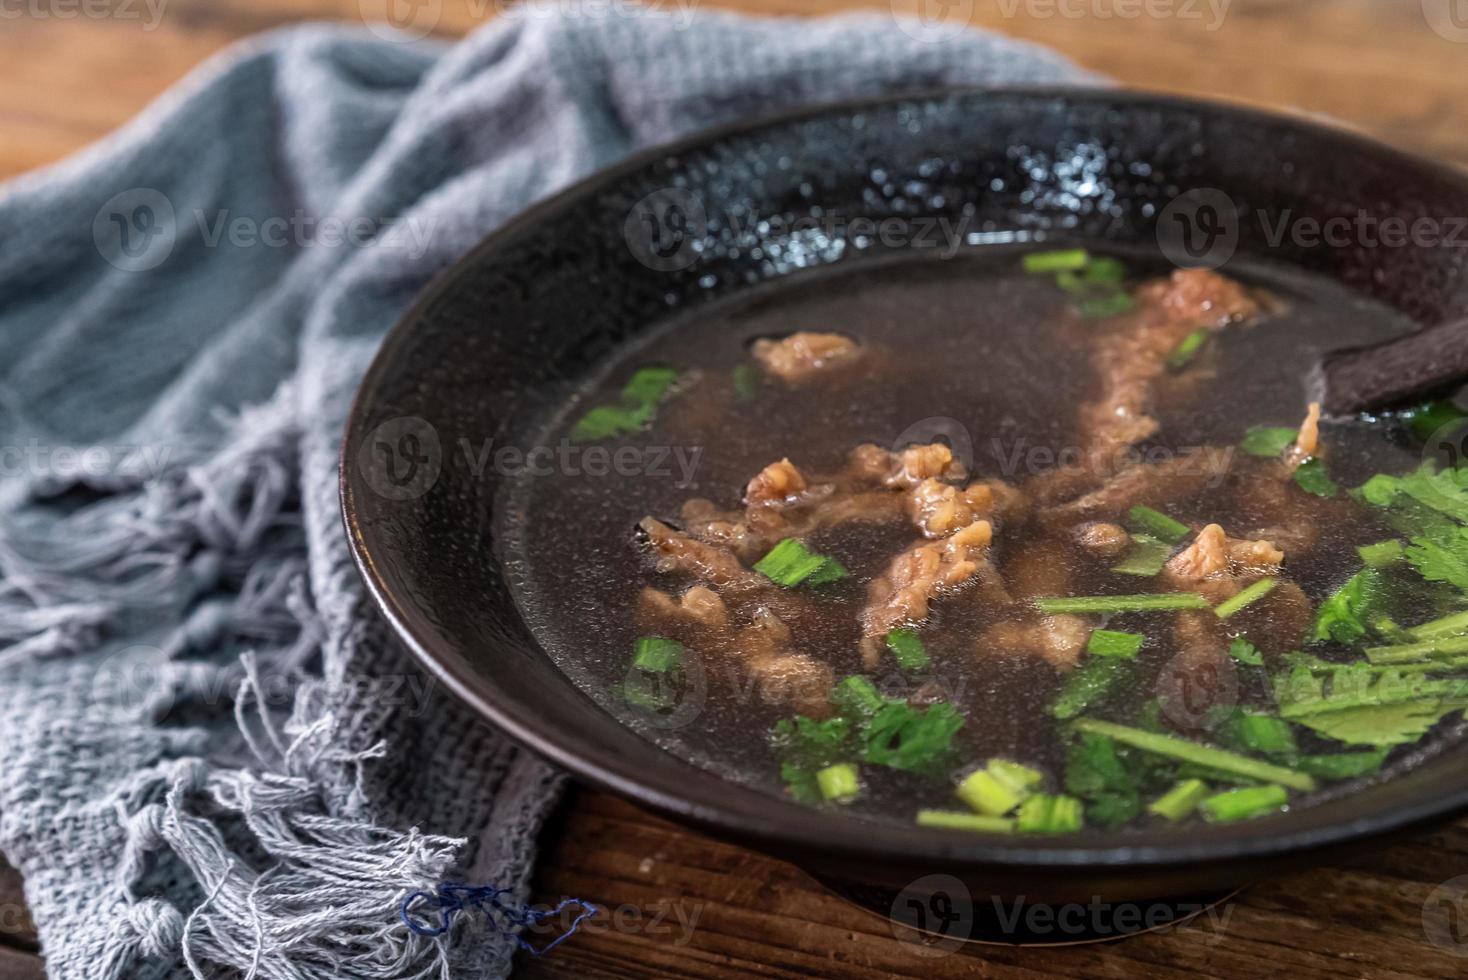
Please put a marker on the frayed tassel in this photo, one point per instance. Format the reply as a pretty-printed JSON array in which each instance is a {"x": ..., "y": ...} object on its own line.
[{"x": 510, "y": 917}]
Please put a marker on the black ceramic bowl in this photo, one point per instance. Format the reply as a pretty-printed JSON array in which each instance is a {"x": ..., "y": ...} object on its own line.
[{"x": 549, "y": 296}]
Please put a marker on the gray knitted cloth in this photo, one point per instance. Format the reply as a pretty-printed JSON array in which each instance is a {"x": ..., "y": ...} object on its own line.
[{"x": 217, "y": 761}]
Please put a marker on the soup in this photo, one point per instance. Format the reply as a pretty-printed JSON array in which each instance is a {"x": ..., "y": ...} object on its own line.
[{"x": 1005, "y": 543}]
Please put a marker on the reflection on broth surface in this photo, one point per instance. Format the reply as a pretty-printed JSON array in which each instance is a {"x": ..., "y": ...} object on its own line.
[{"x": 1006, "y": 543}]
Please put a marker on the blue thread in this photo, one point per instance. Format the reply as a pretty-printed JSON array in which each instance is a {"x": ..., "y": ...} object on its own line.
[{"x": 452, "y": 898}]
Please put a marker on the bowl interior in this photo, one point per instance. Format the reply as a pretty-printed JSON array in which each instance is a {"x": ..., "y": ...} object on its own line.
[{"x": 497, "y": 341}]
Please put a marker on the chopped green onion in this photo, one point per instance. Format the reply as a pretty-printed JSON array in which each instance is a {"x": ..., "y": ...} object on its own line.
[
  {"x": 907, "y": 649},
  {"x": 1381, "y": 553},
  {"x": 1267, "y": 440},
  {"x": 952, "y": 820},
  {"x": 648, "y": 385},
  {"x": 1144, "y": 520},
  {"x": 1121, "y": 603},
  {"x": 1104, "y": 306},
  {"x": 1087, "y": 684},
  {"x": 1311, "y": 475},
  {"x": 657, "y": 654},
  {"x": 1179, "y": 801},
  {"x": 1145, "y": 557},
  {"x": 1112, "y": 643},
  {"x": 1185, "y": 751},
  {"x": 1345, "y": 765},
  {"x": 999, "y": 787},
  {"x": 1247, "y": 597},
  {"x": 1045, "y": 814},
  {"x": 1240, "y": 804},
  {"x": 606, "y": 421},
  {"x": 789, "y": 563},
  {"x": 1183, "y": 354},
  {"x": 1266, "y": 734},
  {"x": 838, "y": 783},
  {"x": 857, "y": 697},
  {"x": 1446, "y": 626},
  {"x": 1105, "y": 269},
  {"x": 1406, "y": 653},
  {"x": 1060, "y": 260},
  {"x": 1245, "y": 652}
]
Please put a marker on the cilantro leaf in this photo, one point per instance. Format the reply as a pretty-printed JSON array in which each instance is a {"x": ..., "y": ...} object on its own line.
[
  {"x": 1312, "y": 476},
  {"x": 1441, "y": 557},
  {"x": 1245, "y": 652},
  {"x": 907, "y": 738},
  {"x": 1343, "y": 616},
  {"x": 1380, "y": 725}
]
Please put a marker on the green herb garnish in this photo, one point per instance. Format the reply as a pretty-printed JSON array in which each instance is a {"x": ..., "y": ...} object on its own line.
[
  {"x": 1185, "y": 751},
  {"x": 907, "y": 649},
  {"x": 999, "y": 787},
  {"x": 1246, "y": 597},
  {"x": 1380, "y": 554},
  {"x": 902, "y": 737},
  {"x": 637, "y": 405},
  {"x": 1180, "y": 801},
  {"x": 1241, "y": 804},
  {"x": 1045, "y": 814},
  {"x": 657, "y": 654},
  {"x": 1312, "y": 476},
  {"x": 838, "y": 783},
  {"x": 1267, "y": 440},
  {"x": 1121, "y": 603},
  {"x": 1183, "y": 354},
  {"x": 1343, "y": 616},
  {"x": 1060, "y": 260},
  {"x": 1344, "y": 765},
  {"x": 1245, "y": 652},
  {"x": 1153, "y": 523},
  {"x": 1087, "y": 684},
  {"x": 790, "y": 563},
  {"x": 1112, "y": 643},
  {"x": 953, "y": 820},
  {"x": 1146, "y": 557}
]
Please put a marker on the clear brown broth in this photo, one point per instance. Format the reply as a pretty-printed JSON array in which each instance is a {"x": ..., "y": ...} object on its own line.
[{"x": 972, "y": 339}]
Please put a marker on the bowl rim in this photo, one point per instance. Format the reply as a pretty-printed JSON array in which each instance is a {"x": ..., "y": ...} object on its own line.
[{"x": 784, "y": 826}]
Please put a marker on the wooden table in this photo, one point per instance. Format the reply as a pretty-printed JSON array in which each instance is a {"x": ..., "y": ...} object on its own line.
[{"x": 1373, "y": 63}]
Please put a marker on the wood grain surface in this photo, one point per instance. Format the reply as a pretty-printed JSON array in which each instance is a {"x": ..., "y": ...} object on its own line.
[{"x": 679, "y": 904}]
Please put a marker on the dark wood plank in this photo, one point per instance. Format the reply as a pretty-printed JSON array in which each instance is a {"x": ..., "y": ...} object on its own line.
[{"x": 676, "y": 903}]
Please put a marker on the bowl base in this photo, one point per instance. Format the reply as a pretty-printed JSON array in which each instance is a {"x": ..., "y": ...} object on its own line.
[{"x": 939, "y": 913}]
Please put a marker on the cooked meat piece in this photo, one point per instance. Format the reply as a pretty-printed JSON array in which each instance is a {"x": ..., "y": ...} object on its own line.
[
  {"x": 700, "y": 608},
  {"x": 776, "y": 483},
  {"x": 1214, "y": 554},
  {"x": 798, "y": 682},
  {"x": 677, "y": 552},
  {"x": 939, "y": 509},
  {"x": 871, "y": 465},
  {"x": 805, "y": 354},
  {"x": 1278, "y": 622},
  {"x": 915, "y": 577},
  {"x": 1058, "y": 640},
  {"x": 1307, "y": 443},
  {"x": 1102, "y": 539},
  {"x": 782, "y": 676},
  {"x": 1147, "y": 483},
  {"x": 1199, "y": 298},
  {"x": 1042, "y": 567}
]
